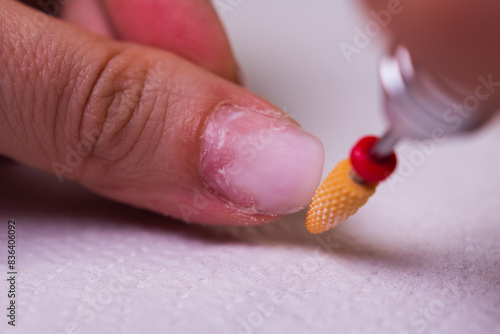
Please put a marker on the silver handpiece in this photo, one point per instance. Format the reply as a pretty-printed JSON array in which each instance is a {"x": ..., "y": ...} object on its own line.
[{"x": 419, "y": 104}]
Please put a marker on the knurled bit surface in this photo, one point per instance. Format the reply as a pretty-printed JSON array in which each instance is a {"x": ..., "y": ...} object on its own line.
[{"x": 337, "y": 198}]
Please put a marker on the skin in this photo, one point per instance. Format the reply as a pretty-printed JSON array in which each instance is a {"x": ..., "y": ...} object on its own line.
[
  {"x": 141, "y": 78},
  {"x": 145, "y": 106}
]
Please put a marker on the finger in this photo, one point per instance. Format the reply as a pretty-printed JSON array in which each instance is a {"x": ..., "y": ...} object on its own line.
[
  {"x": 457, "y": 39},
  {"x": 145, "y": 127},
  {"x": 190, "y": 28},
  {"x": 90, "y": 14}
]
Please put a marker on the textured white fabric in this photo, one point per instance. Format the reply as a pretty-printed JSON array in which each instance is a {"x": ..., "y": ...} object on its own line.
[{"x": 421, "y": 257}]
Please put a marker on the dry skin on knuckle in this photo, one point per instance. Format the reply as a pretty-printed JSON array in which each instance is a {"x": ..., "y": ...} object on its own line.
[
  {"x": 121, "y": 113},
  {"x": 66, "y": 91}
]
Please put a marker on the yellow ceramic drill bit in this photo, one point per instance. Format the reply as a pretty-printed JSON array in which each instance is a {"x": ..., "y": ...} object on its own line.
[
  {"x": 349, "y": 185},
  {"x": 338, "y": 198}
]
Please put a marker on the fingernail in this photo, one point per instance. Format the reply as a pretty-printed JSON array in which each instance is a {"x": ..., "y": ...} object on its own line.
[{"x": 259, "y": 162}]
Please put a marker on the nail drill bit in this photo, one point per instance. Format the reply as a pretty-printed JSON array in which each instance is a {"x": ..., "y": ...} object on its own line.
[
  {"x": 419, "y": 105},
  {"x": 349, "y": 185}
]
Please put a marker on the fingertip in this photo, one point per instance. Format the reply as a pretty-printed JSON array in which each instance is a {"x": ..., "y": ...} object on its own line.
[{"x": 259, "y": 162}]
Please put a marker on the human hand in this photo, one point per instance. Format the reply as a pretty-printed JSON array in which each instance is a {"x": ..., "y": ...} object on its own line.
[
  {"x": 145, "y": 113},
  {"x": 455, "y": 39}
]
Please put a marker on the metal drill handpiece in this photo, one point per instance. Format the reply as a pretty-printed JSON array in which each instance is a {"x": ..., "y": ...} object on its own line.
[{"x": 418, "y": 105}]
